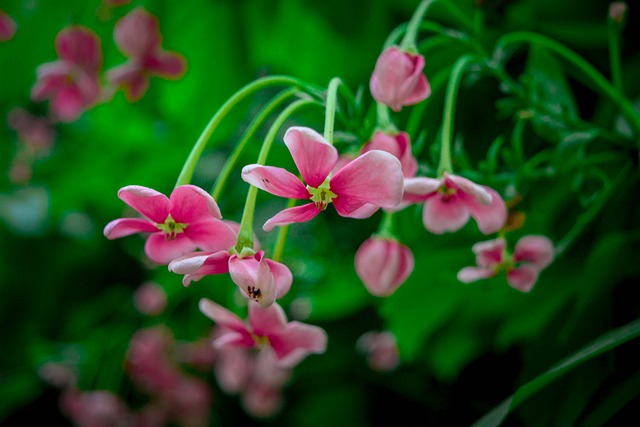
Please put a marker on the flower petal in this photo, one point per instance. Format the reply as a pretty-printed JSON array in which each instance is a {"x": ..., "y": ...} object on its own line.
[
  {"x": 226, "y": 319},
  {"x": 199, "y": 264},
  {"x": 522, "y": 278},
  {"x": 419, "y": 189},
  {"x": 479, "y": 192},
  {"x": 254, "y": 278},
  {"x": 383, "y": 265},
  {"x": 7, "y": 27},
  {"x": 163, "y": 251},
  {"x": 137, "y": 33},
  {"x": 266, "y": 321},
  {"x": 301, "y": 213},
  {"x": 374, "y": 177},
  {"x": 211, "y": 235},
  {"x": 397, "y": 144},
  {"x": 489, "y": 253},
  {"x": 490, "y": 218},
  {"x": 68, "y": 104},
  {"x": 298, "y": 341},
  {"x": 538, "y": 250},
  {"x": 150, "y": 203},
  {"x": 282, "y": 276},
  {"x": 169, "y": 65},
  {"x": 126, "y": 226},
  {"x": 274, "y": 180},
  {"x": 81, "y": 46},
  {"x": 312, "y": 154},
  {"x": 190, "y": 203},
  {"x": 471, "y": 274},
  {"x": 441, "y": 215}
]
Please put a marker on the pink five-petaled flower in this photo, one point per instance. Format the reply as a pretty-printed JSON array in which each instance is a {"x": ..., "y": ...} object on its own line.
[
  {"x": 449, "y": 201},
  {"x": 530, "y": 256},
  {"x": 259, "y": 278},
  {"x": 397, "y": 79},
  {"x": 138, "y": 37},
  {"x": 179, "y": 224},
  {"x": 374, "y": 178},
  {"x": 383, "y": 264},
  {"x": 290, "y": 341},
  {"x": 71, "y": 83},
  {"x": 7, "y": 27}
]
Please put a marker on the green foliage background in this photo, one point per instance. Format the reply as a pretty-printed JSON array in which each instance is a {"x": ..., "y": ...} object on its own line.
[{"x": 65, "y": 288}]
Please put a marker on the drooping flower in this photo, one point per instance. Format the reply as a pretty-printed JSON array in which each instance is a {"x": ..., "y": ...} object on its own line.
[
  {"x": 373, "y": 178},
  {"x": 71, "y": 83},
  {"x": 259, "y": 278},
  {"x": 291, "y": 341},
  {"x": 380, "y": 349},
  {"x": 383, "y": 264},
  {"x": 8, "y": 27},
  {"x": 179, "y": 224},
  {"x": 531, "y": 255},
  {"x": 138, "y": 37},
  {"x": 398, "y": 80},
  {"x": 451, "y": 200}
]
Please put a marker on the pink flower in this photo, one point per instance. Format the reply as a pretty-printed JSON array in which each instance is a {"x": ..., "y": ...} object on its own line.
[
  {"x": 531, "y": 255},
  {"x": 383, "y": 264},
  {"x": 150, "y": 299},
  {"x": 451, "y": 200},
  {"x": 71, "y": 83},
  {"x": 381, "y": 350},
  {"x": 138, "y": 37},
  {"x": 397, "y": 79},
  {"x": 36, "y": 133},
  {"x": 98, "y": 408},
  {"x": 259, "y": 278},
  {"x": 374, "y": 178},
  {"x": 178, "y": 224},
  {"x": 7, "y": 27},
  {"x": 291, "y": 341}
]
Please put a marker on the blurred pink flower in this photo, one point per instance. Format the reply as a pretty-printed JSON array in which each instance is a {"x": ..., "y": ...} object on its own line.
[
  {"x": 290, "y": 341},
  {"x": 531, "y": 255},
  {"x": 449, "y": 201},
  {"x": 71, "y": 83},
  {"x": 179, "y": 224},
  {"x": 98, "y": 408},
  {"x": 259, "y": 278},
  {"x": 150, "y": 299},
  {"x": 36, "y": 133},
  {"x": 398, "y": 80},
  {"x": 383, "y": 264},
  {"x": 138, "y": 37},
  {"x": 373, "y": 178},
  {"x": 8, "y": 27},
  {"x": 380, "y": 349}
]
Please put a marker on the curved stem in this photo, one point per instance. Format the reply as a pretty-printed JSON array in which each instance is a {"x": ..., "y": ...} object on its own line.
[
  {"x": 386, "y": 227},
  {"x": 613, "y": 33},
  {"x": 449, "y": 110},
  {"x": 245, "y": 235},
  {"x": 594, "y": 76},
  {"x": 223, "y": 176},
  {"x": 196, "y": 151},
  {"x": 278, "y": 248},
  {"x": 330, "y": 110}
]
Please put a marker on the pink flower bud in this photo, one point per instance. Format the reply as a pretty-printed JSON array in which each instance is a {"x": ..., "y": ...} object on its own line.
[
  {"x": 383, "y": 265},
  {"x": 397, "y": 79}
]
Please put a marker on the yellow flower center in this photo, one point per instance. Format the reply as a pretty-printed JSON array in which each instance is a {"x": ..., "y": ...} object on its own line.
[
  {"x": 322, "y": 195},
  {"x": 171, "y": 228}
]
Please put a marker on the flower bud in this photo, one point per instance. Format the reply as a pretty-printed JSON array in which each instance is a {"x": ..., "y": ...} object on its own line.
[{"x": 383, "y": 265}]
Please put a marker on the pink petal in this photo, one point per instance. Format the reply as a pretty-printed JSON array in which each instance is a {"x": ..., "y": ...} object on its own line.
[
  {"x": 420, "y": 188},
  {"x": 150, "y": 203},
  {"x": 228, "y": 320},
  {"x": 421, "y": 91},
  {"x": 302, "y": 213},
  {"x": 68, "y": 104},
  {"x": 137, "y": 33},
  {"x": 211, "y": 235},
  {"x": 489, "y": 253},
  {"x": 261, "y": 401},
  {"x": 442, "y": 215},
  {"x": 298, "y": 341},
  {"x": 163, "y": 251},
  {"x": 52, "y": 77},
  {"x": 538, "y": 250},
  {"x": 397, "y": 144},
  {"x": 471, "y": 274},
  {"x": 190, "y": 203},
  {"x": 199, "y": 264},
  {"x": 383, "y": 265},
  {"x": 375, "y": 177},
  {"x": 126, "y": 226},
  {"x": 312, "y": 154},
  {"x": 490, "y": 218},
  {"x": 169, "y": 65},
  {"x": 276, "y": 181},
  {"x": 366, "y": 210},
  {"x": 7, "y": 27},
  {"x": 131, "y": 77},
  {"x": 254, "y": 278},
  {"x": 81, "y": 46},
  {"x": 282, "y": 276},
  {"x": 266, "y": 321},
  {"x": 233, "y": 367},
  {"x": 479, "y": 192},
  {"x": 522, "y": 278}
]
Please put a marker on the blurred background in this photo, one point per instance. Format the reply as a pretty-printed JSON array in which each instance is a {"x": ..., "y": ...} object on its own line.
[{"x": 67, "y": 293}]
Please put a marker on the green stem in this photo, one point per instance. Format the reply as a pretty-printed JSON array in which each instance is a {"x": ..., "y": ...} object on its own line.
[
  {"x": 225, "y": 172},
  {"x": 384, "y": 121},
  {"x": 330, "y": 109},
  {"x": 196, "y": 151},
  {"x": 449, "y": 109},
  {"x": 245, "y": 235},
  {"x": 278, "y": 248},
  {"x": 410, "y": 36},
  {"x": 386, "y": 227},
  {"x": 594, "y": 76},
  {"x": 613, "y": 33}
]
